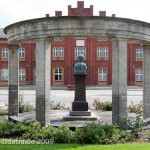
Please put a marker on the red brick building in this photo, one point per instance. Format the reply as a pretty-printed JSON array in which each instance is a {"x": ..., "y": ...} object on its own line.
[{"x": 64, "y": 52}]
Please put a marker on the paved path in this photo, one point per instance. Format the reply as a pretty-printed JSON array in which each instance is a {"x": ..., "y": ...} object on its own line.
[{"x": 63, "y": 95}]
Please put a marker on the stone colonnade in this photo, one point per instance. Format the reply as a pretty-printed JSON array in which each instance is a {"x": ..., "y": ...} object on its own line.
[{"x": 43, "y": 65}]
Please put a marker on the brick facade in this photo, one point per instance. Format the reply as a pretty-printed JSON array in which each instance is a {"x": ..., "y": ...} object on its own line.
[{"x": 98, "y": 56}]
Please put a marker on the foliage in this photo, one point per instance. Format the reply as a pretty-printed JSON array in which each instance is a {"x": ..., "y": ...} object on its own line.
[
  {"x": 63, "y": 134},
  {"x": 91, "y": 133},
  {"x": 135, "y": 123},
  {"x": 8, "y": 128},
  {"x": 57, "y": 106},
  {"x": 3, "y": 112},
  {"x": 96, "y": 133},
  {"x": 98, "y": 104},
  {"x": 133, "y": 108},
  {"x": 24, "y": 107}
]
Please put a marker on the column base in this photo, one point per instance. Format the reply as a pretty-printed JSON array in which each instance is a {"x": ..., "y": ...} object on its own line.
[{"x": 79, "y": 106}]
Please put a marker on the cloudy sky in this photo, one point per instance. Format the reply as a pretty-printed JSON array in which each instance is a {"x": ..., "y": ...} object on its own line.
[{"x": 12, "y": 11}]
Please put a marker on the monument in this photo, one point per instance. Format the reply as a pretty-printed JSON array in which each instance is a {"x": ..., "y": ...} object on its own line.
[{"x": 80, "y": 105}]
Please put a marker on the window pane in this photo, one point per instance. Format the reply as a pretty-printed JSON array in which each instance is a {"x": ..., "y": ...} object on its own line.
[
  {"x": 99, "y": 52},
  {"x": 102, "y": 74},
  {"x": 5, "y": 53},
  {"x": 105, "y": 52},
  {"x": 58, "y": 74},
  {"x": 139, "y": 75},
  {"x": 22, "y": 74},
  {"x": 21, "y": 53},
  {"x": 55, "y": 52},
  {"x": 61, "y": 52},
  {"x": 4, "y": 74},
  {"x": 139, "y": 53}
]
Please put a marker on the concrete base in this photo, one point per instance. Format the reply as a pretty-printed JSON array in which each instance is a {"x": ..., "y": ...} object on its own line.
[
  {"x": 92, "y": 117},
  {"x": 80, "y": 113}
]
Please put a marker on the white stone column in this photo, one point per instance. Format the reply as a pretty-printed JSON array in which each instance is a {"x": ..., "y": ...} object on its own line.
[
  {"x": 146, "y": 82},
  {"x": 43, "y": 49},
  {"x": 119, "y": 81},
  {"x": 13, "y": 83}
]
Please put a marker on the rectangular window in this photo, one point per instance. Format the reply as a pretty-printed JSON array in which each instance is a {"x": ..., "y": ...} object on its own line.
[
  {"x": 138, "y": 75},
  {"x": 80, "y": 50},
  {"x": 4, "y": 74},
  {"x": 138, "y": 53},
  {"x": 22, "y": 74},
  {"x": 58, "y": 74},
  {"x": 99, "y": 52},
  {"x": 105, "y": 52},
  {"x": 102, "y": 74},
  {"x": 102, "y": 52},
  {"x": 55, "y": 52},
  {"x": 61, "y": 52},
  {"x": 4, "y": 53},
  {"x": 58, "y": 52},
  {"x": 21, "y": 53}
]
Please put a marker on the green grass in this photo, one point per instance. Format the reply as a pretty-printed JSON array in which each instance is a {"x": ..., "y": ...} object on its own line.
[{"x": 128, "y": 146}]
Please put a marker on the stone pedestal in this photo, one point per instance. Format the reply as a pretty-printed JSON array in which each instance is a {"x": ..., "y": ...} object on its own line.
[{"x": 80, "y": 103}]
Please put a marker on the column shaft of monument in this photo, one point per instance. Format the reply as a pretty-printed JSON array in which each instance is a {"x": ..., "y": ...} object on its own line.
[
  {"x": 13, "y": 99},
  {"x": 43, "y": 81},
  {"x": 146, "y": 82},
  {"x": 119, "y": 81}
]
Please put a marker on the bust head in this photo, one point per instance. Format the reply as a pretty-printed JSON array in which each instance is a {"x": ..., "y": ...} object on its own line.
[
  {"x": 80, "y": 67},
  {"x": 80, "y": 58}
]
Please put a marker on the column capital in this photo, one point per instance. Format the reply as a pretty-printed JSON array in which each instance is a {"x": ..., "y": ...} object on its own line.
[
  {"x": 146, "y": 46},
  {"x": 117, "y": 38},
  {"x": 14, "y": 46},
  {"x": 44, "y": 39}
]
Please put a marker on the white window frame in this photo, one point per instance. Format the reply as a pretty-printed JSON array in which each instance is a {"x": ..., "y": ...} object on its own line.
[
  {"x": 4, "y": 74},
  {"x": 139, "y": 53},
  {"x": 138, "y": 75},
  {"x": 99, "y": 52},
  {"x": 55, "y": 50},
  {"x": 22, "y": 74},
  {"x": 58, "y": 52},
  {"x": 105, "y": 52},
  {"x": 61, "y": 52},
  {"x": 58, "y": 74},
  {"x": 102, "y": 74},
  {"x": 21, "y": 53},
  {"x": 102, "y": 52},
  {"x": 4, "y": 53},
  {"x": 80, "y": 50}
]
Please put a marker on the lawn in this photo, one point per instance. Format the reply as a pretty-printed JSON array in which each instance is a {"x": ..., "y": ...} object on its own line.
[{"x": 128, "y": 146}]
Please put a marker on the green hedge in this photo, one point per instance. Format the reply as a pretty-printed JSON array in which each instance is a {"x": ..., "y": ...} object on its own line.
[{"x": 94, "y": 133}]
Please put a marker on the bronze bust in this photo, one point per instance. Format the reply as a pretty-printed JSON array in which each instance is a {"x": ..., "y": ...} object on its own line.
[{"x": 80, "y": 67}]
